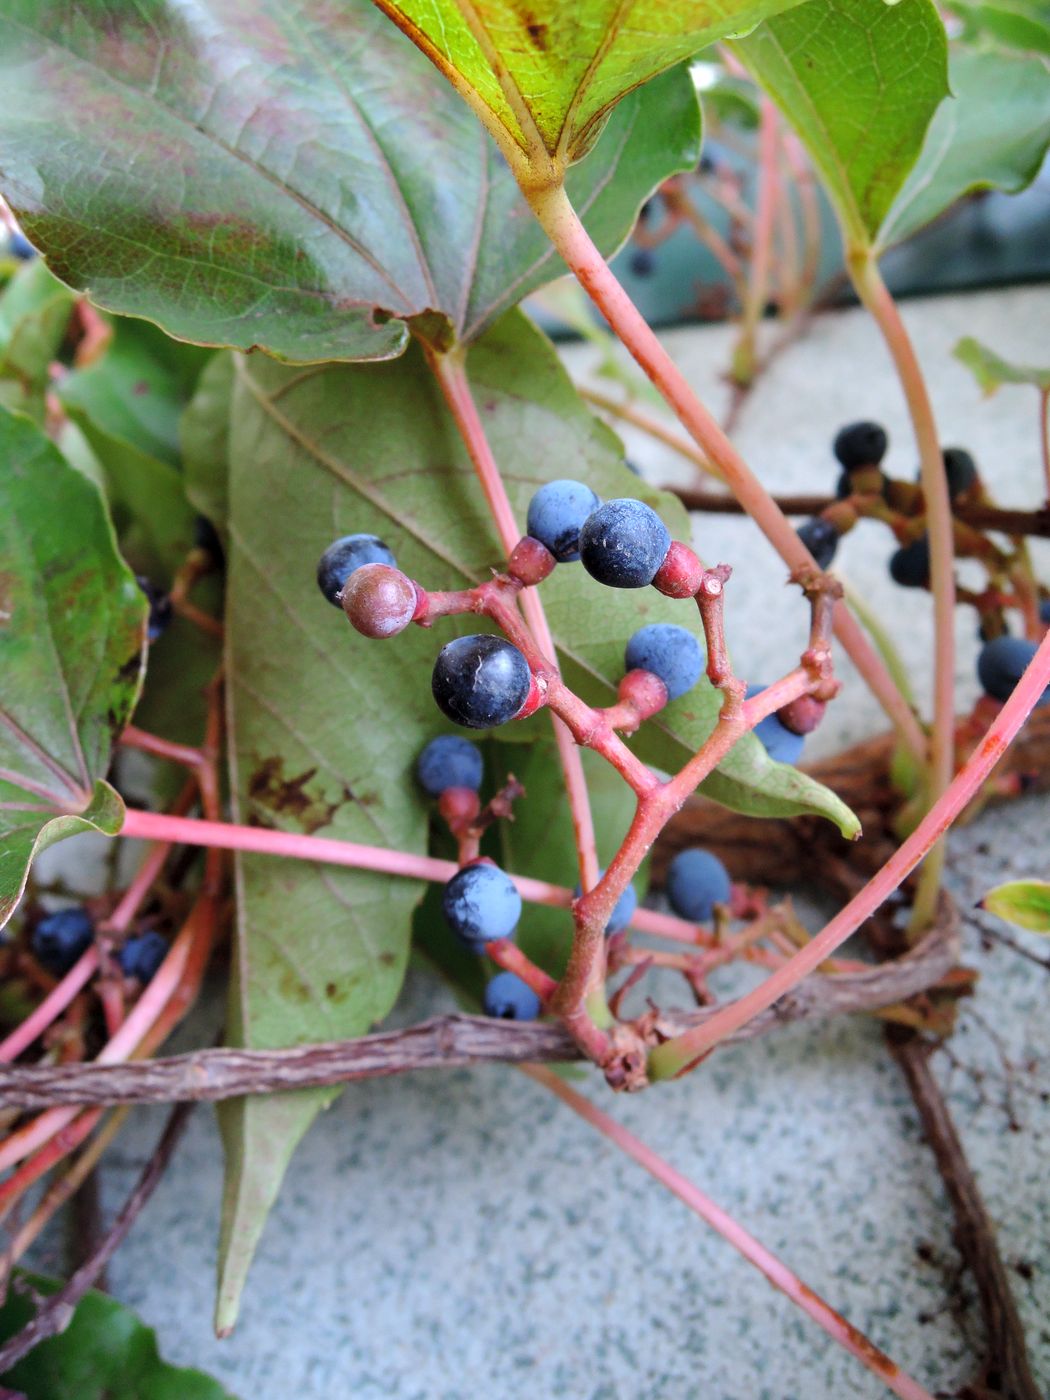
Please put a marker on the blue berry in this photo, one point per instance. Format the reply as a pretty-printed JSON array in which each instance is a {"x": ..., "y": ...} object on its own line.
[
  {"x": 778, "y": 741},
  {"x": 1044, "y": 611},
  {"x": 19, "y": 246},
  {"x": 1000, "y": 664},
  {"x": 861, "y": 444},
  {"x": 510, "y": 999},
  {"x": 480, "y": 681},
  {"x": 623, "y": 909},
  {"x": 821, "y": 539},
  {"x": 624, "y": 543},
  {"x": 481, "y": 903},
  {"x": 696, "y": 882},
  {"x": 141, "y": 956},
  {"x": 59, "y": 939},
  {"x": 910, "y": 565},
  {"x": 643, "y": 262},
  {"x": 669, "y": 652},
  {"x": 843, "y": 487},
  {"x": 960, "y": 470},
  {"x": 340, "y": 560},
  {"x": 206, "y": 537},
  {"x": 449, "y": 762},
  {"x": 159, "y": 607},
  {"x": 556, "y": 513}
]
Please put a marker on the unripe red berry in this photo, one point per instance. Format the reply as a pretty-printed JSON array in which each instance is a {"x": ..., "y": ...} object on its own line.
[
  {"x": 378, "y": 600},
  {"x": 680, "y": 574},
  {"x": 459, "y": 806},
  {"x": 531, "y": 561},
  {"x": 802, "y": 715},
  {"x": 536, "y": 697},
  {"x": 645, "y": 691}
]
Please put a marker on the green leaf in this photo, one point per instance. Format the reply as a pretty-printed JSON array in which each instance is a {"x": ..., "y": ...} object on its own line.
[
  {"x": 105, "y": 1353},
  {"x": 992, "y": 133},
  {"x": 859, "y": 80},
  {"x": 543, "y": 76},
  {"x": 325, "y": 726},
  {"x": 296, "y": 178},
  {"x": 1019, "y": 24},
  {"x": 205, "y": 437},
  {"x": 1025, "y": 903},
  {"x": 72, "y": 623},
  {"x": 34, "y": 312},
  {"x": 991, "y": 370}
]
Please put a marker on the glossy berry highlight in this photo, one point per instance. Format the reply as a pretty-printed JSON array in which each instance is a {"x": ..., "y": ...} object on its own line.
[
  {"x": 480, "y": 681},
  {"x": 481, "y": 903},
  {"x": 449, "y": 762},
  {"x": 821, "y": 539},
  {"x": 1000, "y": 665},
  {"x": 623, "y": 543},
  {"x": 860, "y": 444},
  {"x": 696, "y": 882},
  {"x": 59, "y": 939},
  {"x": 669, "y": 652},
  {"x": 556, "y": 515},
  {"x": 778, "y": 741},
  {"x": 141, "y": 957},
  {"x": 910, "y": 565},
  {"x": 508, "y": 998},
  {"x": 340, "y": 560}
]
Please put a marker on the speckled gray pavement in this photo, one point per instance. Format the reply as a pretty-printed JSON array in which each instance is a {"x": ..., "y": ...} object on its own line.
[{"x": 463, "y": 1235}]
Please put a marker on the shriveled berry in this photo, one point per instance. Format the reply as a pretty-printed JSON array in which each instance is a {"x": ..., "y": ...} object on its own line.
[
  {"x": 141, "y": 956},
  {"x": 340, "y": 560},
  {"x": 910, "y": 565},
  {"x": 480, "y": 681},
  {"x": 59, "y": 939},
  {"x": 669, "y": 652},
  {"x": 821, "y": 539},
  {"x": 160, "y": 612},
  {"x": 860, "y": 444},
  {"x": 379, "y": 601},
  {"x": 1000, "y": 665},
  {"x": 481, "y": 903},
  {"x": 777, "y": 740},
  {"x": 623, "y": 543},
  {"x": 449, "y": 762},
  {"x": 960, "y": 470},
  {"x": 556, "y": 515},
  {"x": 696, "y": 882},
  {"x": 623, "y": 909},
  {"x": 508, "y": 998}
]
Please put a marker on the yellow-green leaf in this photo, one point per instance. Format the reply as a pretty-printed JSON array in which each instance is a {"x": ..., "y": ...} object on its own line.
[{"x": 1025, "y": 903}]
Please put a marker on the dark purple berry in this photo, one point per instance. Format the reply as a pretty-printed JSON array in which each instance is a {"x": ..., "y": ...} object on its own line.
[
  {"x": 480, "y": 681},
  {"x": 1044, "y": 611},
  {"x": 821, "y": 539},
  {"x": 481, "y": 903},
  {"x": 449, "y": 762},
  {"x": 340, "y": 560},
  {"x": 960, "y": 470},
  {"x": 861, "y": 444},
  {"x": 59, "y": 939},
  {"x": 624, "y": 543},
  {"x": 160, "y": 612},
  {"x": 1000, "y": 665},
  {"x": 643, "y": 263},
  {"x": 910, "y": 565},
  {"x": 508, "y": 998},
  {"x": 140, "y": 957},
  {"x": 556, "y": 514},
  {"x": 669, "y": 652},
  {"x": 696, "y": 882}
]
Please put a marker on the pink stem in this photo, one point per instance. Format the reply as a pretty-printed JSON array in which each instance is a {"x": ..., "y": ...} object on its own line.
[
  {"x": 509, "y": 956},
  {"x": 762, "y": 245},
  {"x": 51, "y": 1007},
  {"x": 683, "y": 1051},
  {"x": 455, "y": 386},
  {"x": 563, "y": 227},
  {"x": 778, "y": 1273},
  {"x": 875, "y": 295}
]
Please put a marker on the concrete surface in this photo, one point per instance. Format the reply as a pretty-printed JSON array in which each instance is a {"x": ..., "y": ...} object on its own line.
[{"x": 463, "y": 1235}]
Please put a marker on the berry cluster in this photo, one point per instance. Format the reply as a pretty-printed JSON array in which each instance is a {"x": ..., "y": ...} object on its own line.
[{"x": 61, "y": 939}]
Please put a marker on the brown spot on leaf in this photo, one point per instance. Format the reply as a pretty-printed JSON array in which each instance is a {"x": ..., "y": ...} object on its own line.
[{"x": 269, "y": 788}]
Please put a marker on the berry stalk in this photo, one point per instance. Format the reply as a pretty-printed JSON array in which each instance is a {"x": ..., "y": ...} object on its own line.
[
  {"x": 778, "y": 1273},
  {"x": 681, "y": 1053},
  {"x": 562, "y": 225}
]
